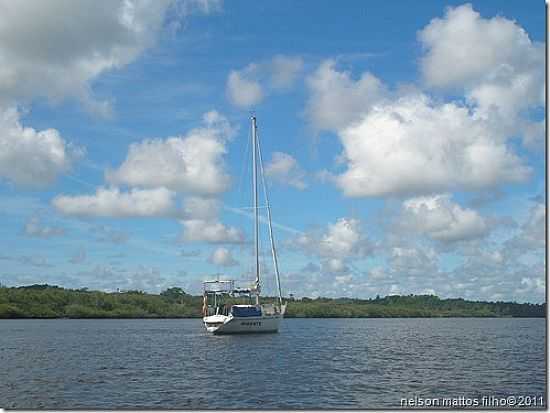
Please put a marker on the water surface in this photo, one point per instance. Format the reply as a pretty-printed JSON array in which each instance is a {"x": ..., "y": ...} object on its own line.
[{"x": 311, "y": 363}]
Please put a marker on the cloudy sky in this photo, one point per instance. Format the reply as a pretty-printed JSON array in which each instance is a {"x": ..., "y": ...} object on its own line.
[{"x": 403, "y": 145}]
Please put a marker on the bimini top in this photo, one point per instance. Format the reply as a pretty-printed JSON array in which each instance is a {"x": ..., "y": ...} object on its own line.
[
  {"x": 246, "y": 311},
  {"x": 219, "y": 286},
  {"x": 225, "y": 287}
]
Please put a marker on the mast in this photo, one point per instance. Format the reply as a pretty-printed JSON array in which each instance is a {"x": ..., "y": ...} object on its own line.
[{"x": 256, "y": 217}]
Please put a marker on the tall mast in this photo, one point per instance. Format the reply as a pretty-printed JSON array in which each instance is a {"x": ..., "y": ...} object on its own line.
[{"x": 256, "y": 216}]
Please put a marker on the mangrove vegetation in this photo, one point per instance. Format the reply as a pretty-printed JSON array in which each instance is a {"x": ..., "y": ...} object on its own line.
[{"x": 47, "y": 301}]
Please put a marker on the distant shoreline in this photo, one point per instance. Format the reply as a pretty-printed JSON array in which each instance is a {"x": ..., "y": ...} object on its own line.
[{"x": 52, "y": 302}]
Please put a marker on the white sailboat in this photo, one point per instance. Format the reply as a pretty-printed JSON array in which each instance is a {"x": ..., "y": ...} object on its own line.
[{"x": 221, "y": 313}]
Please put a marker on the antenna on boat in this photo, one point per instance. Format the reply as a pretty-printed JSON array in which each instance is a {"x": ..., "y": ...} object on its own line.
[{"x": 255, "y": 195}]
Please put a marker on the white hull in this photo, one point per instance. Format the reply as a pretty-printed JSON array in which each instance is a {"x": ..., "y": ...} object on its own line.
[{"x": 222, "y": 324}]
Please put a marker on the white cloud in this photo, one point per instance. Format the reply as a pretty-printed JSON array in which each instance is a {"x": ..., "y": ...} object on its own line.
[
  {"x": 196, "y": 230},
  {"x": 534, "y": 229},
  {"x": 486, "y": 47},
  {"x": 284, "y": 168},
  {"x": 284, "y": 71},
  {"x": 443, "y": 220},
  {"x": 413, "y": 146},
  {"x": 206, "y": 209},
  {"x": 532, "y": 233},
  {"x": 192, "y": 163},
  {"x": 377, "y": 273},
  {"x": 342, "y": 239},
  {"x": 492, "y": 60},
  {"x": 35, "y": 228},
  {"x": 84, "y": 39},
  {"x": 406, "y": 143},
  {"x": 247, "y": 87},
  {"x": 536, "y": 285},
  {"x": 31, "y": 158},
  {"x": 243, "y": 91},
  {"x": 111, "y": 202},
  {"x": 222, "y": 257},
  {"x": 413, "y": 262},
  {"x": 334, "y": 266},
  {"x": 200, "y": 223},
  {"x": 336, "y": 99}
]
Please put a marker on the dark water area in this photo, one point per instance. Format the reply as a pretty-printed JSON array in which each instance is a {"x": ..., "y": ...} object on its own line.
[{"x": 311, "y": 363}]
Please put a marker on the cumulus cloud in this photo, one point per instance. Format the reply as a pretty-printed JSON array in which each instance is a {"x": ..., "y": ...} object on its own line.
[
  {"x": 247, "y": 87},
  {"x": 413, "y": 146},
  {"x": 34, "y": 227},
  {"x": 407, "y": 143},
  {"x": 200, "y": 223},
  {"x": 84, "y": 40},
  {"x": 111, "y": 202},
  {"x": 532, "y": 233},
  {"x": 243, "y": 91},
  {"x": 441, "y": 219},
  {"x": 334, "y": 266},
  {"x": 222, "y": 257},
  {"x": 200, "y": 208},
  {"x": 284, "y": 168},
  {"x": 192, "y": 163},
  {"x": 284, "y": 71},
  {"x": 337, "y": 100},
  {"x": 412, "y": 262},
  {"x": 341, "y": 240},
  {"x": 487, "y": 46},
  {"x": 532, "y": 284},
  {"x": 196, "y": 230},
  {"x": 31, "y": 158},
  {"x": 492, "y": 60}
]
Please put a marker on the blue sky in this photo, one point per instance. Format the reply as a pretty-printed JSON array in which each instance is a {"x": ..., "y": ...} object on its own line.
[{"x": 403, "y": 146}]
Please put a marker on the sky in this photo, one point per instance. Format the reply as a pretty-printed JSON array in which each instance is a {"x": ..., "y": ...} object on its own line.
[{"x": 403, "y": 145}]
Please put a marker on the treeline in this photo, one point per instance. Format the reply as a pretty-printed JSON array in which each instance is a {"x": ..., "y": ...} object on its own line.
[
  {"x": 45, "y": 301},
  {"x": 411, "y": 306}
]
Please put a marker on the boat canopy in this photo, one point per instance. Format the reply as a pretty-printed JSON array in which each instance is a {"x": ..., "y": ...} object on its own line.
[
  {"x": 226, "y": 287},
  {"x": 246, "y": 311}
]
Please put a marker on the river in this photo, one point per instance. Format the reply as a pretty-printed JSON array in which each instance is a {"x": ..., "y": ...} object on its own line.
[{"x": 310, "y": 363}]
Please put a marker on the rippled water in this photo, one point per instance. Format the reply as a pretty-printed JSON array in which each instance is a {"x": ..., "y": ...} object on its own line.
[{"x": 311, "y": 363}]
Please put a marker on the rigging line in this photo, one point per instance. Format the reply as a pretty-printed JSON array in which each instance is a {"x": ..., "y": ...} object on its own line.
[{"x": 271, "y": 239}]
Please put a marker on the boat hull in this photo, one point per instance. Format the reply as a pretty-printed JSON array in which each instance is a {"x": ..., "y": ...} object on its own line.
[{"x": 242, "y": 325}]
